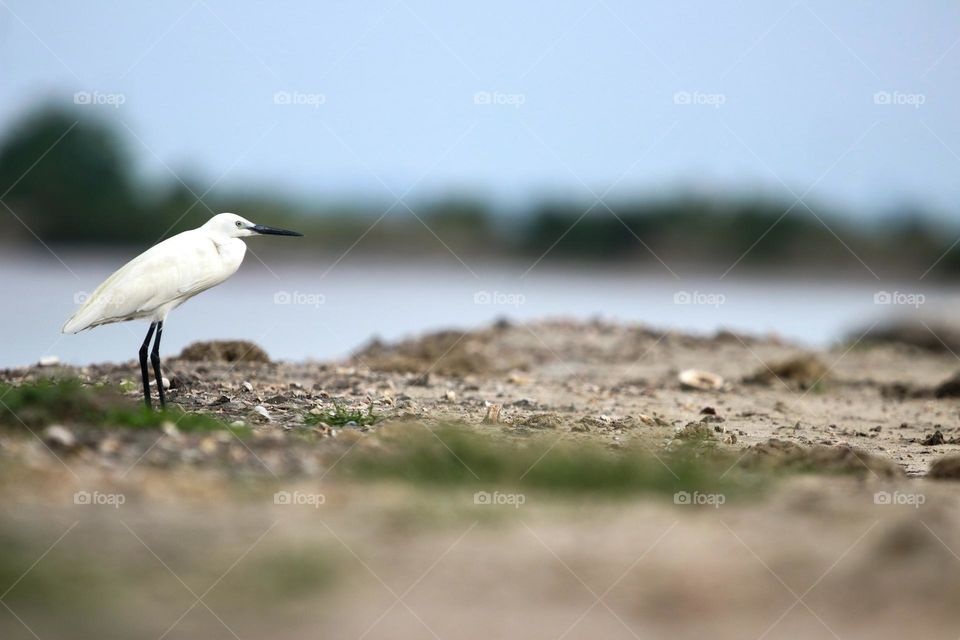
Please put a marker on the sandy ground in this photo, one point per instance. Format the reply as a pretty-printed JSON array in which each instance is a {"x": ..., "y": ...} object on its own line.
[
  {"x": 873, "y": 554},
  {"x": 605, "y": 383}
]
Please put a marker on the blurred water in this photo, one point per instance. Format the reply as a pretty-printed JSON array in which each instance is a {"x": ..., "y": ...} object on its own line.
[{"x": 295, "y": 313}]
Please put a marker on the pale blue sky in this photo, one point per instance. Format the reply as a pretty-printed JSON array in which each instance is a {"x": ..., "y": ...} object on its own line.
[{"x": 597, "y": 81}]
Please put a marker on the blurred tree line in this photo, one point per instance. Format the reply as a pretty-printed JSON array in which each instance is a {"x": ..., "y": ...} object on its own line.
[{"x": 72, "y": 180}]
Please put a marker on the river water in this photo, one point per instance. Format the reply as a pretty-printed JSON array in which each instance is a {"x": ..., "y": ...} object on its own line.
[{"x": 297, "y": 311}]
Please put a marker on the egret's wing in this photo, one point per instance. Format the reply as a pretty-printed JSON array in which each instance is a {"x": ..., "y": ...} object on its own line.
[{"x": 174, "y": 269}]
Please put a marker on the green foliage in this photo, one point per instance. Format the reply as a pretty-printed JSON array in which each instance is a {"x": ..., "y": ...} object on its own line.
[
  {"x": 283, "y": 574},
  {"x": 341, "y": 416},
  {"x": 70, "y": 177},
  {"x": 451, "y": 457},
  {"x": 69, "y": 401}
]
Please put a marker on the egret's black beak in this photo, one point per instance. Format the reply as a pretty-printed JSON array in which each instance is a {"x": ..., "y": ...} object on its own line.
[{"x": 272, "y": 231}]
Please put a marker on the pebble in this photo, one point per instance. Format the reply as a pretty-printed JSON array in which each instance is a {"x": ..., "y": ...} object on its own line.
[
  {"x": 247, "y": 386},
  {"x": 208, "y": 445},
  {"x": 59, "y": 436},
  {"x": 109, "y": 445},
  {"x": 262, "y": 411},
  {"x": 170, "y": 429}
]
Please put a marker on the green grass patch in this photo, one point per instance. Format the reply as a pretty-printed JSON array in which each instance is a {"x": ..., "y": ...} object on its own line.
[
  {"x": 451, "y": 457},
  {"x": 340, "y": 416},
  {"x": 283, "y": 574},
  {"x": 69, "y": 401}
]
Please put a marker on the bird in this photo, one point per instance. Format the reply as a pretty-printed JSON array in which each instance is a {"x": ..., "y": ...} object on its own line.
[{"x": 165, "y": 276}]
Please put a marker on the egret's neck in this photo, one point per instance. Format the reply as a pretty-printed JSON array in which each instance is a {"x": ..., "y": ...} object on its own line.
[{"x": 231, "y": 250}]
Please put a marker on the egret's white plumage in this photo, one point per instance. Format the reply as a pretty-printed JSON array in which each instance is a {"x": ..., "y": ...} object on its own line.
[{"x": 165, "y": 276}]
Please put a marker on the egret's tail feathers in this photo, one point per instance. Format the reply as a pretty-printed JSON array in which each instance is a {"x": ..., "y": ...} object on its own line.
[
  {"x": 93, "y": 312},
  {"x": 75, "y": 324}
]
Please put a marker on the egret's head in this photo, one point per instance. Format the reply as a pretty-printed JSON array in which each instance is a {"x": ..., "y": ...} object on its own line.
[{"x": 233, "y": 226}]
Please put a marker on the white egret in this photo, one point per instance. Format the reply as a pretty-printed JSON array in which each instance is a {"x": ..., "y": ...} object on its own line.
[{"x": 165, "y": 276}]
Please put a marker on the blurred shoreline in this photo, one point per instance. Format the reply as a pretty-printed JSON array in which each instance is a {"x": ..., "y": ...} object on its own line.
[
  {"x": 101, "y": 200},
  {"x": 307, "y": 306}
]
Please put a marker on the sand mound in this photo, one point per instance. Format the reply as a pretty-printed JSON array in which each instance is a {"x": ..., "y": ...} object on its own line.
[
  {"x": 789, "y": 456},
  {"x": 444, "y": 352},
  {"x": 225, "y": 351},
  {"x": 935, "y": 337},
  {"x": 803, "y": 372},
  {"x": 945, "y": 468},
  {"x": 509, "y": 346}
]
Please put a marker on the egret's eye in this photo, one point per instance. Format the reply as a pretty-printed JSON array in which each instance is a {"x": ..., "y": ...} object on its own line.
[{"x": 239, "y": 224}]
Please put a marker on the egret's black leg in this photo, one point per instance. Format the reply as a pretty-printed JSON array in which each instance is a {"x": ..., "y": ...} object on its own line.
[
  {"x": 155, "y": 359},
  {"x": 143, "y": 365}
]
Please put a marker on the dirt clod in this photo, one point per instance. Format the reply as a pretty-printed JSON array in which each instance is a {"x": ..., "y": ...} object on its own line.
[
  {"x": 540, "y": 421},
  {"x": 695, "y": 431}
]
